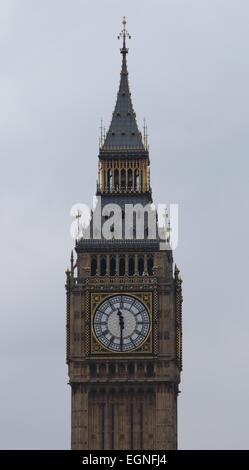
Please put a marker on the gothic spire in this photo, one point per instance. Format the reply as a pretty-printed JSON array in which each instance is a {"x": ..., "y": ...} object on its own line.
[{"x": 123, "y": 134}]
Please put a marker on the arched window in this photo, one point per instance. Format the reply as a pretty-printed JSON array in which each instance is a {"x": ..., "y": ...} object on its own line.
[
  {"x": 131, "y": 369},
  {"x": 104, "y": 180},
  {"x": 150, "y": 369},
  {"x": 116, "y": 180},
  {"x": 102, "y": 266},
  {"x": 131, "y": 266},
  {"x": 113, "y": 266},
  {"x": 93, "y": 370},
  {"x": 129, "y": 179},
  {"x": 123, "y": 180},
  {"x": 137, "y": 179},
  {"x": 150, "y": 266},
  {"x": 109, "y": 180},
  {"x": 112, "y": 369},
  {"x": 122, "y": 266},
  {"x": 93, "y": 266},
  {"x": 141, "y": 266}
]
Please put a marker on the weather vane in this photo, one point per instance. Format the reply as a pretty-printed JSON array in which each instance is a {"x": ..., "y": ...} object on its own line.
[{"x": 124, "y": 33}]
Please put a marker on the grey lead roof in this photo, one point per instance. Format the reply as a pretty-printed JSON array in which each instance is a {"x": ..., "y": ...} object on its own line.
[{"x": 123, "y": 133}]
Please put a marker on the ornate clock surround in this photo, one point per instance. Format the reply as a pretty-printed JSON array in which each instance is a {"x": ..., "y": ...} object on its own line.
[{"x": 96, "y": 298}]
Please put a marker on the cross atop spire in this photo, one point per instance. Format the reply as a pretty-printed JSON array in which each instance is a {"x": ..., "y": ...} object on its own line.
[{"x": 124, "y": 34}]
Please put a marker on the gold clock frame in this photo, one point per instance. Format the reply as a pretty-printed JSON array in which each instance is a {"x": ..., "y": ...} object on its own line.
[{"x": 98, "y": 348}]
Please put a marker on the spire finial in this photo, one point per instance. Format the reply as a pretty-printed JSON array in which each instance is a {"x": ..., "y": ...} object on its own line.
[{"x": 124, "y": 34}]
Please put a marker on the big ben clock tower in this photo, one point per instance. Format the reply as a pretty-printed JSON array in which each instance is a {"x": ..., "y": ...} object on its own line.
[{"x": 124, "y": 300}]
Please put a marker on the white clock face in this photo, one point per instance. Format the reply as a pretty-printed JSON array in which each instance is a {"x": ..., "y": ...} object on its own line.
[{"x": 121, "y": 323}]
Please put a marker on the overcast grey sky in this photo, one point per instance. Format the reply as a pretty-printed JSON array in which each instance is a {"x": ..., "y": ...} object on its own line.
[{"x": 189, "y": 74}]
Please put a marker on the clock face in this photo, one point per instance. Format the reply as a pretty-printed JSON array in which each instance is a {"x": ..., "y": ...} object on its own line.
[{"x": 121, "y": 323}]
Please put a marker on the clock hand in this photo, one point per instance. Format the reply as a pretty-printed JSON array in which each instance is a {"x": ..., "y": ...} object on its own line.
[
  {"x": 121, "y": 324},
  {"x": 121, "y": 319}
]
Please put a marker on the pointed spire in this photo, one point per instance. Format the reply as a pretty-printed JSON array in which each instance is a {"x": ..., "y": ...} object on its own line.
[{"x": 123, "y": 134}]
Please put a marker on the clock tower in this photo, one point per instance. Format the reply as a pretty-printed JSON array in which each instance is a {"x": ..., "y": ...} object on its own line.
[{"x": 124, "y": 322}]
